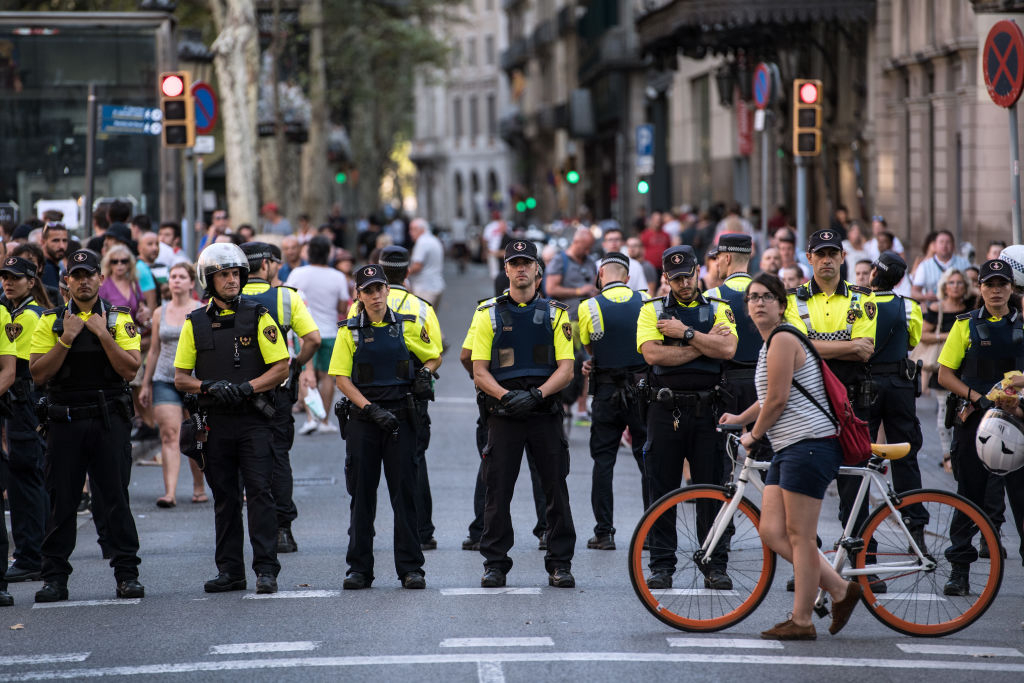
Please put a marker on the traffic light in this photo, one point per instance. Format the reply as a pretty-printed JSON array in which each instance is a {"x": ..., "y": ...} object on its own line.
[
  {"x": 643, "y": 187},
  {"x": 178, "y": 109},
  {"x": 531, "y": 203},
  {"x": 572, "y": 177},
  {"x": 806, "y": 117},
  {"x": 341, "y": 177}
]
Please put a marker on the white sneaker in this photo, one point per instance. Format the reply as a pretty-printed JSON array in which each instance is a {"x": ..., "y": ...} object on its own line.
[
  {"x": 324, "y": 428},
  {"x": 309, "y": 427}
]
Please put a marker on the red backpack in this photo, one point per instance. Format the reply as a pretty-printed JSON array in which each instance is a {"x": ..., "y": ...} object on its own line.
[{"x": 854, "y": 437}]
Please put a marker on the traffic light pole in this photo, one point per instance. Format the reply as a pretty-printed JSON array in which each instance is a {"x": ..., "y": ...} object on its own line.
[
  {"x": 801, "y": 202},
  {"x": 765, "y": 167},
  {"x": 188, "y": 229},
  {"x": 90, "y": 160},
  {"x": 1015, "y": 173}
]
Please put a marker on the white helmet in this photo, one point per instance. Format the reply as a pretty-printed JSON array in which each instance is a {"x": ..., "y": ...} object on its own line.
[
  {"x": 1014, "y": 255},
  {"x": 218, "y": 257},
  {"x": 1000, "y": 442}
]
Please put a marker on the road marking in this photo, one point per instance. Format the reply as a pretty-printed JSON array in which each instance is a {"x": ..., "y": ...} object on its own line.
[
  {"x": 249, "y": 648},
  {"x": 921, "y": 597},
  {"x": 517, "y": 657},
  {"x": 490, "y": 672},
  {"x": 490, "y": 591},
  {"x": 496, "y": 642},
  {"x": 284, "y": 595},
  {"x": 43, "y": 659},
  {"x": 737, "y": 643},
  {"x": 962, "y": 650},
  {"x": 86, "y": 603},
  {"x": 454, "y": 399},
  {"x": 700, "y": 592}
]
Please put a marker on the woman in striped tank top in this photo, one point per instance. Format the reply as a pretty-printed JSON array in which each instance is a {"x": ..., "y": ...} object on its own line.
[{"x": 807, "y": 458}]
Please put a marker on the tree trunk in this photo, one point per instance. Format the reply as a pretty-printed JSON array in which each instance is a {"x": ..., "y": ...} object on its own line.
[
  {"x": 236, "y": 60},
  {"x": 315, "y": 177}
]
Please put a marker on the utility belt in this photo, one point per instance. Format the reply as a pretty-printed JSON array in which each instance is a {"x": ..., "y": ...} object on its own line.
[
  {"x": 549, "y": 406},
  {"x": 49, "y": 412},
  {"x": 22, "y": 389},
  {"x": 905, "y": 368},
  {"x": 740, "y": 373},
  {"x": 404, "y": 410},
  {"x": 698, "y": 403}
]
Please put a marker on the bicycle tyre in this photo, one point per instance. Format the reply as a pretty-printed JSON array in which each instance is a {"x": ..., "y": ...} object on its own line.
[
  {"x": 689, "y": 606},
  {"x": 914, "y": 603}
]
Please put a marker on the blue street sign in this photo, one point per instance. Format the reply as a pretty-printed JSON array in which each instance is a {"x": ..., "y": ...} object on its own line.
[
  {"x": 130, "y": 119},
  {"x": 645, "y": 149},
  {"x": 206, "y": 107}
]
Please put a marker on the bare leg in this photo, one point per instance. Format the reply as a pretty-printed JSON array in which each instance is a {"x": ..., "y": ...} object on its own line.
[
  {"x": 168, "y": 419},
  {"x": 326, "y": 385}
]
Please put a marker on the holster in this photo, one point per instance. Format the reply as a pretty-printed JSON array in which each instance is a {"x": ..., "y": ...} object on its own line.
[
  {"x": 953, "y": 405},
  {"x": 862, "y": 393},
  {"x": 293, "y": 382},
  {"x": 696, "y": 403},
  {"x": 43, "y": 415},
  {"x": 341, "y": 410}
]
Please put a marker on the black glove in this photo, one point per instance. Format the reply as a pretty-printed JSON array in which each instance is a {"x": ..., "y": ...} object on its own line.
[
  {"x": 423, "y": 385},
  {"x": 221, "y": 390},
  {"x": 983, "y": 403},
  {"x": 245, "y": 390},
  {"x": 384, "y": 419},
  {"x": 522, "y": 403}
]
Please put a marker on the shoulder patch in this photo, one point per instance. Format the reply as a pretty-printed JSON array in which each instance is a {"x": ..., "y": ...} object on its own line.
[
  {"x": 261, "y": 311},
  {"x": 131, "y": 330},
  {"x": 558, "y": 304},
  {"x": 567, "y": 331},
  {"x": 53, "y": 311},
  {"x": 870, "y": 309},
  {"x": 859, "y": 289},
  {"x": 121, "y": 309},
  {"x": 730, "y": 316},
  {"x": 270, "y": 332},
  {"x": 965, "y": 316},
  {"x": 715, "y": 298},
  {"x": 424, "y": 336},
  {"x": 343, "y": 323},
  {"x": 405, "y": 317}
]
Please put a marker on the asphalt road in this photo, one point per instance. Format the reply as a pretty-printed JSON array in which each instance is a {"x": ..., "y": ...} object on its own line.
[{"x": 312, "y": 630}]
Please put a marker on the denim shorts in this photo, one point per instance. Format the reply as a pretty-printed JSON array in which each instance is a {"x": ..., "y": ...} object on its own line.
[
  {"x": 165, "y": 393},
  {"x": 806, "y": 467}
]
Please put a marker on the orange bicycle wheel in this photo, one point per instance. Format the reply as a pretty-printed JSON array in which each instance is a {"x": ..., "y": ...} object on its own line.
[{"x": 670, "y": 530}]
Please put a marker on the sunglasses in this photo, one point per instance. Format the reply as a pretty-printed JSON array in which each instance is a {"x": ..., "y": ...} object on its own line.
[
  {"x": 119, "y": 261},
  {"x": 878, "y": 218},
  {"x": 765, "y": 298}
]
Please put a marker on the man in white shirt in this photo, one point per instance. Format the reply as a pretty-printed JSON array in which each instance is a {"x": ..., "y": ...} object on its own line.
[
  {"x": 612, "y": 241},
  {"x": 426, "y": 271},
  {"x": 492, "y": 236},
  {"x": 929, "y": 272},
  {"x": 878, "y": 226}
]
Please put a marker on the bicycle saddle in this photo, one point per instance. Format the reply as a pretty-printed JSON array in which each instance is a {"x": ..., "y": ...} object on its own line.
[{"x": 890, "y": 451}]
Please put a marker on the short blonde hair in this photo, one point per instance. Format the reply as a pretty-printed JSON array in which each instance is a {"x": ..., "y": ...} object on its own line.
[
  {"x": 119, "y": 250},
  {"x": 950, "y": 272}
]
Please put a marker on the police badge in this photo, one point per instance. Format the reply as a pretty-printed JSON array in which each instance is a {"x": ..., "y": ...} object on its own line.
[
  {"x": 13, "y": 330},
  {"x": 870, "y": 309},
  {"x": 131, "y": 330},
  {"x": 729, "y": 316},
  {"x": 270, "y": 332},
  {"x": 424, "y": 336},
  {"x": 567, "y": 331},
  {"x": 245, "y": 341}
]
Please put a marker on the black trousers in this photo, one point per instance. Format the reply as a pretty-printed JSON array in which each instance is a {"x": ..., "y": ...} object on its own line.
[
  {"x": 282, "y": 430},
  {"x": 611, "y": 412},
  {"x": 26, "y": 490},
  {"x": 972, "y": 482},
  {"x": 74, "y": 449},
  {"x": 476, "y": 527},
  {"x": 503, "y": 456},
  {"x": 895, "y": 408},
  {"x": 241, "y": 445},
  {"x": 367, "y": 448},
  {"x": 424, "y": 501},
  {"x": 696, "y": 441},
  {"x": 4, "y": 545}
]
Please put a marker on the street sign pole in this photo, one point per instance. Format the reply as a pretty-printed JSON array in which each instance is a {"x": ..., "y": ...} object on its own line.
[
  {"x": 199, "y": 187},
  {"x": 90, "y": 157},
  {"x": 188, "y": 229},
  {"x": 1003, "y": 69},
  {"x": 765, "y": 169},
  {"x": 1015, "y": 174},
  {"x": 801, "y": 202}
]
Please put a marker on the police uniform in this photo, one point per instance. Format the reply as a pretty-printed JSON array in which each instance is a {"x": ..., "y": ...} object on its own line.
[
  {"x": 683, "y": 413},
  {"x": 607, "y": 324},
  {"x": 404, "y": 302},
  {"x": 26, "y": 490},
  {"x": 843, "y": 315},
  {"x": 476, "y": 527},
  {"x": 981, "y": 348},
  {"x": 89, "y": 408},
  {"x": 290, "y": 313},
  {"x": 380, "y": 358},
  {"x": 7, "y": 348},
  {"x": 898, "y": 322},
  {"x": 522, "y": 344},
  {"x": 236, "y": 344}
]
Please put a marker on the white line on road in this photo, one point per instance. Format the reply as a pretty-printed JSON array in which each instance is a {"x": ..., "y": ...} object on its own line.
[
  {"x": 249, "y": 648},
  {"x": 737, "y": 643},
  {"x": 490, "y": 591},
  {"x": 284, "y": 595},
  {"x": 701, "y": 592},
  {"x": 490, "y": 672},
  {"x": 496, "y": 642},
  {"x": 515, "y": 657},
  {"x": 963, "y": 650},
  {"x": 43, "y": 659},
  {"x": 454, "y": 399},
  {"x": 920, "y": 597},
  {"x": 86, "y": 603}
]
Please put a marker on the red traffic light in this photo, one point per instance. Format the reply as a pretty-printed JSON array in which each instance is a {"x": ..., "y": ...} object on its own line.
[
  {"x": 172, "y": 86},
  {"x": 809, "y": 93}
]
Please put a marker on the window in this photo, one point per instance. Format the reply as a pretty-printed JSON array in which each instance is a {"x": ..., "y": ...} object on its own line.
[
  {"x": 457, "y": 117},
  {"x": 457, "y": 54},
  {"x": 492, "y": 116},
  {"x": 489, "y": 50},
  {"x": 471, "y": 52},
  {"x": 474, "y": 119}
]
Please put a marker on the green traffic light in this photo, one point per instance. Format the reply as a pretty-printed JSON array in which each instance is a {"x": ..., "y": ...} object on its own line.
[
  {"x": 531, "y": 203},
  {"x": 643, "y": 187},
  {"x": 572, "y": 177},
  {"x": 340, "y": 178},
  {"x": 520, "y": 206}
]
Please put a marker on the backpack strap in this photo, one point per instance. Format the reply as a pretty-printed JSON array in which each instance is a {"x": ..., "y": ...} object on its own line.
[{"x": 806, "y": 343}]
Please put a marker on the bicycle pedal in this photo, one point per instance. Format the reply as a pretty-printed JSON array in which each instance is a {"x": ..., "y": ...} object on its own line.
[{"x": 821, "y": 611}]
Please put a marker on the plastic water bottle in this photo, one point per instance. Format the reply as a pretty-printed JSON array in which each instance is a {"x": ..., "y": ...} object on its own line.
[{"x": 315, "y": 404}]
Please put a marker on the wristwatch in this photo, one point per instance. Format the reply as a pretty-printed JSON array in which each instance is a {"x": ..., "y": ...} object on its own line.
[{"x": 688, "y": 336}]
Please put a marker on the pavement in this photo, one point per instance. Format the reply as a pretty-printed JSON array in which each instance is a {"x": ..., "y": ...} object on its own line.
[{"x": 452, "y": 631}]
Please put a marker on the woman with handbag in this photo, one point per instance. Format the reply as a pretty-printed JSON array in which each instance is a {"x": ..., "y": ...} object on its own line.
[
  {"x": 807, "y": 458},
  {"x": 954, "y": 294}
]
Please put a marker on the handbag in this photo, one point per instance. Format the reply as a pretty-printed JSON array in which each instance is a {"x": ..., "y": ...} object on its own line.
[{"x": 928, "y": 352}]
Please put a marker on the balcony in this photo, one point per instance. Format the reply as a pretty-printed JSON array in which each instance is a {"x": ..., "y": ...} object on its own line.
[
  {"x": 508, "y": 5},
  {"x": 567, "y": 20},
  {"x": 545, "y": 34},
  {"x": 511, "y": 127},
  {"x": 516, "y": 55},
  {"x": 615, "y": 50},
  {"x": 427, "y": 151}
]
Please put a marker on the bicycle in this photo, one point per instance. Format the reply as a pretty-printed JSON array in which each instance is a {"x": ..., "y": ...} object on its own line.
[{"x": 913, "y": 602}]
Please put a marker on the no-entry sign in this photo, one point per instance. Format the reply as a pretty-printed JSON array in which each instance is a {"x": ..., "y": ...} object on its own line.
[{"x": 1003, "y": 63}]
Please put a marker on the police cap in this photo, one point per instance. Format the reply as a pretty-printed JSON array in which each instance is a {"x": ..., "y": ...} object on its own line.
[
  {"x": 257, "y": 253},
  {"x": 18, "y": 267},
  {"x": 995, "y": 268},
  {"x": 825, "y": 239},
  {"x": 615, "y": 258},
  {"x": 368, "y": 275},
  {"x": 521, "y": 249},
  {"x": 891, "y": 261},
  {"x": 84, "y": 259},
  {"x": 735, "y": 243},
  {"x": 679, "y": 261},
  {"x": 394, "y": 256}
]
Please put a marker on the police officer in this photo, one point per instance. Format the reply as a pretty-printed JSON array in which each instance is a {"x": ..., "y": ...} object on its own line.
[
  {"x": 522, "y": 358},
  {"x": 476, "y": 527},
  {"x": 898, "y": 321},
  {"x": 85, "y": 352},
  {"x": 684, "y": 338},
  {"x": 834, "y": 316},
  {"x": 374, "y": 367},
  {"x": 239, "y": 357},
  {"x": 8, "y": 359},
  {"x": 394, "y": 262},
  {"x": 607, "y": 331},
  {"x": 26, "y": 491},
  {"x": 981, "y": 347},
  {"x": 290, "y": 313}
]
